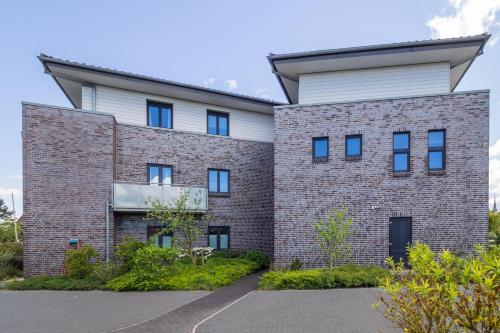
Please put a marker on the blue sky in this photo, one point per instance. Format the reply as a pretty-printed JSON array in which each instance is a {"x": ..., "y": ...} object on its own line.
[{"x": 221, "y": 44}]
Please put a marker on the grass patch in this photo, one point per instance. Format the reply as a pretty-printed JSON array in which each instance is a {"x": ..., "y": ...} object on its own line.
[
  {"x": 215, "y": 273},
  {"x": 55, "y": 283},
  {"x": 347, "y": 276}
]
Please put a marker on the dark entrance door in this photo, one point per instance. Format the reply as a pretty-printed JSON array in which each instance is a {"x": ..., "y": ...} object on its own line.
[{"x": 399, "y": 238}]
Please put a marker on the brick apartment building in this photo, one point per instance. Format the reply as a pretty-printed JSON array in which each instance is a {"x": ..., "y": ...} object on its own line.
[{"x": 378, "y": 130}]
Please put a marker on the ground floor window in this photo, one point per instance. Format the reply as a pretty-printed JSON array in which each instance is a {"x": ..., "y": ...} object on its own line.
[
  {"x": 158, "y": 236},
  {"x": 218, "y": 238}
]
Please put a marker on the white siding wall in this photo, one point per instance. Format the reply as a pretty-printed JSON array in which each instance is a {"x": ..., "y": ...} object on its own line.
[
  {"x": 87, "y": 98},
  {"x": 129, "y": 107},
  {"x": 385, "y": 82}
]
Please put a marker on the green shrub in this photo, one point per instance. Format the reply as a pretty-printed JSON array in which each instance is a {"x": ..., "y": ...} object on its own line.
[
  {"x": 296, "y": 265},
  {"x": 125, "y": 252},
  {"x": 55, "y": 283},
  {"x": 7, "y": 272},
  {"x": 444, "y": 293},
  {"x": 347, "y": 276},
  {"x": 259, "y": 257},
  {"x": 229, "y": 253},
  {"x": 11, "y": 255},
  {"x": 105, "y": 272},
  {"x": 78, "y": 263},
  {"x": 217, "y": 272},
  {"x": 7, "y": 232}
]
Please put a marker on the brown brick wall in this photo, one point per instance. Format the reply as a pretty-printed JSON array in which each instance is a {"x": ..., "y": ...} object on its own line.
[
  {"x": 67, "y": 175},
  {"x": 71, "y": 157},
  {"x": 448, "y": 211},
  {"x": 249, "y": 208}
]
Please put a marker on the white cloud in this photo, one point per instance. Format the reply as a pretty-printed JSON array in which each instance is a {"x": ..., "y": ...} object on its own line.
[
  {"x": 262, "y": 92},
  {"x": 6, "y": 193},
  {"x": 495, "y": 172},
  {"x": 468, "y": 17},
  {"x": 16, "y": 177},
  {"x": 231, "y": 84},
  {"x": 208, "y": 82}
]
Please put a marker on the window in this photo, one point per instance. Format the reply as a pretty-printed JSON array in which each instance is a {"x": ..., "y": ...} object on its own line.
[
  {"x": 353, "y": 146},
  {"x": 218, "y": 181},
  {"x": 218, "y": 238},
  {"x": 159, "y": 237},
  {"x": 401, "y": 152},
  {"x": 160, "y": 174},
  {"x": 217, "y": 123},
  {"x": 159, "y": 115},
  {"x": 437, "y": 150},
  {"x": 320, "y": 148}
]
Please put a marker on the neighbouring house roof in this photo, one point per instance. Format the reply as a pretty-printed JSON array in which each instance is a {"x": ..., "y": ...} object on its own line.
[
  {"x": 71, "y": 76},
  {"x": 459, "y": 52}
]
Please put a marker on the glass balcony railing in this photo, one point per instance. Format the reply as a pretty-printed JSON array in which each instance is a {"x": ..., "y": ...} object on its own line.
[{"x": 137, "y": 197}]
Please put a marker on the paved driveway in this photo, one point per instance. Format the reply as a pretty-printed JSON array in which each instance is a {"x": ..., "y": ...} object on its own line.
[
  {"x": 84, "y": 312},
  {"x": 338, "y": 310}
]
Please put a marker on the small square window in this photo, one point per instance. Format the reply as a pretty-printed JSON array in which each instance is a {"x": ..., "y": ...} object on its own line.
[
  {"x": 218, "y": 181},
  {"x": 160, "y": 174},
  {"x": 218, "y": 238},
  {"x": 320, "y": 148},
  {"x": 353, "y": 146},
  {"x": 218, "y": 123},
  {"x": 159, "y": 115},
  {"x": 159, "y": 236}
]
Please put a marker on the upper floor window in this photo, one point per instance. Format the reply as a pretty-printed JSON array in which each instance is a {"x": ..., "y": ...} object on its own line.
[
  {"x": 353, "y": 145},
  {"x": 401, "y": 152},
  {"x": 437, "y": 150},
  {"x": 160, "y": 174},
  {"x": 218, "y": 181},
  {"x": 160, "y": 115},
  {"x": 218, "y": 123},
  {"x": 218, "y": 238},
  {"x": 320, "y": 148},
  {"x": 159, "y": 236}
]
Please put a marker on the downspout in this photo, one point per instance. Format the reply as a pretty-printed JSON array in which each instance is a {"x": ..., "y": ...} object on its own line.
[
  {"x": 108, "y": 207},
  {"x": 94, "y": 99}
]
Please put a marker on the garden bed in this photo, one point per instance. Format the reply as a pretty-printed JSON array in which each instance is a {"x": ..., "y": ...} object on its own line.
[{"x": 347, "y": 276}]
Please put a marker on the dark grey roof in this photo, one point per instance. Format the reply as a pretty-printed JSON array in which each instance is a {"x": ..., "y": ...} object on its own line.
[
  {"x": 393, "y": 47},
  {"x": 49, "y": 59}
]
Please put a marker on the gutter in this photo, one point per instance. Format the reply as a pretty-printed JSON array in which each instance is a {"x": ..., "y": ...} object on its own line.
[{"x": 278, "y": 76}]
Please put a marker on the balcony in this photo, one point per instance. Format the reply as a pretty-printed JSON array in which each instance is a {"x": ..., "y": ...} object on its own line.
[{"x": 133, "y": 197}]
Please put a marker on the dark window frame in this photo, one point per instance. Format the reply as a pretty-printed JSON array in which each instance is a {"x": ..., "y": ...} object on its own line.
[
  {"x": 218, "y": 232},
  {"x": 152, "y": 230},
  {"x": 436, "y": 149},
  {"x": 160, "y": 173},
  {"x": 218, "y": 114},
  {"x": 160, "y": 105},
  {"x": 406, "y": 151},
  {"x": 314, "y": 141},
  {"x": 218, "y": 180},
  {"x": 354, "y": 156}
]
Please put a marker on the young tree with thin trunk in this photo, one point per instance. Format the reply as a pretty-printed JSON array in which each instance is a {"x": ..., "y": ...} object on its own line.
[
  {"x": 179, "y": 217},
  {"x": 332, "y": 234}
]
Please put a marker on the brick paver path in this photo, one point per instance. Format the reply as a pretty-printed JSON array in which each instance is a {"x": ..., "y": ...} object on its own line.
[
  {"x": 185, "y": 318},
  {"x": 300, "y": 311}
]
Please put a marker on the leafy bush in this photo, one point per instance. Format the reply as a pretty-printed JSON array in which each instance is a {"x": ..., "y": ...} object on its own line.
[
  {"x": 494, "y": 227},
  {"x": 7, "y": 272},
  {"x": 347, "y": 276},
  {"x": 444, "y": 293},
  {"x": 105, "y": 272},
  {"x": 217, "y": 272},
  {"x": 125, "y": 252},
  {"x": 296, "y": 265},
  {"x": 11, "y": 255},
  {"x": 55, "y": 283},
  {"x": 78, "y": 263},
  {"x": 7, "y": 231}
]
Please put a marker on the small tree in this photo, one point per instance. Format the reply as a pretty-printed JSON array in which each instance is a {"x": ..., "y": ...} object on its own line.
[
  {"x": 494, "y": 227},
  {"x": 177, "y": 216},
  {"x": 5, "y": 212},
  {"x": 332, "y": 234}
]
